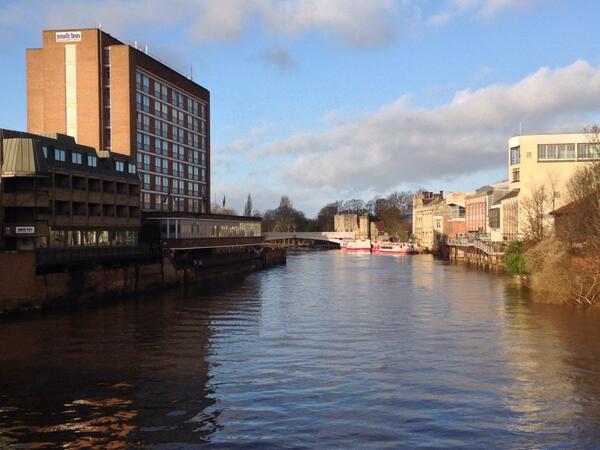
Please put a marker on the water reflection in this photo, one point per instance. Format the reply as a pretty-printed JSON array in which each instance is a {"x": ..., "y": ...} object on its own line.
[
  {"x": 116, "y": 377},
  {"x": 333, "y": 350}
]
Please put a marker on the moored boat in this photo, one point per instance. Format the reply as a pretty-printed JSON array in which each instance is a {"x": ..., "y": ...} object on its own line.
[
  {"x": 363, "y": 245},
  {"x": 398, "y": 248}
]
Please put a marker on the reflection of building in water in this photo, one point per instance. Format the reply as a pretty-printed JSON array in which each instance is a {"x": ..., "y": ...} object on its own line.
[
  {"x": 552, "y": 354},
  {"x": 127, "y": 375}
]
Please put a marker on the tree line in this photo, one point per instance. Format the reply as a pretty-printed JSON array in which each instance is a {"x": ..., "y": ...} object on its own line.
[{"x": 390, "y": 210}]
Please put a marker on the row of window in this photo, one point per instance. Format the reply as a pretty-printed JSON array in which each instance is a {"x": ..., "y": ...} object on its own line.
[
  {"x": 166, "y": 93},
  {"x": 168, "y": 202},
  {"x": 174, "y": 168},
  {"x": 94, "y": 238},
  {"x": 165, "y": 129},
  {"x": 91, "y": 160},
  {"x": 198, "y": 229},
  {"x": 175, "y": 186},
  {"x": 567, "y": 151}
]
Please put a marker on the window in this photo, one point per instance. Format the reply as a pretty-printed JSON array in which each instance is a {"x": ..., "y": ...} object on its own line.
[
  {"x": 165, "y": 184},
  {"x": 120, "y": 166},
  {"x": 45, "y": 151},
  {"x": 515, "y": 155},
  {"x": 516, "y": 175},
  {"x": 556, "y": 151},
  {"x": 131, "y": 168},
  {"x": 165, "y": 165},
  {"x": 60, "y": 155},
  {"x": 588, "y": 151},
  {"x": 145, "y": 83},
  {"x": 146, "y": 181},
  {"x": 146, "y": 200},
  {"x": 494, "y": 218},
  {"x": 178, "y": 151},
  {"x": 145, "y": 103},
  {"x": 76, "y": 158},
  {"x": 107, "y": 138}
]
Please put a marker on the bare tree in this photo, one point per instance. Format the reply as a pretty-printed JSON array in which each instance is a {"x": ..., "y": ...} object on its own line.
[
  {"x": 534, "y": 207},
  {"x": 216, "y": 209}
]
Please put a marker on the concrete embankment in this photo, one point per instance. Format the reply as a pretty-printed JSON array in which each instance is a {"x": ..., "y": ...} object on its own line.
[{"x": 25, "y": 289}]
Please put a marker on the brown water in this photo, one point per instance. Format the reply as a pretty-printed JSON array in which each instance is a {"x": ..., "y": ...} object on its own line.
[{"x": 333, "y": 350}]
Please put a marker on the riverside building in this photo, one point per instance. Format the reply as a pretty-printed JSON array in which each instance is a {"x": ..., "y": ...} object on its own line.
[
  {"x": 428, "y": 219},
  {"x": 56, "y": 194},
  {"x": 116, "y": 97},
  {"x": 546, "y": 161}
]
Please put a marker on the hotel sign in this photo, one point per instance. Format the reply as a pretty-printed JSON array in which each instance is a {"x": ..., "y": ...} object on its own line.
[
  {"x": 24, "y": 230},
  {"x": 68, "y": 36}
]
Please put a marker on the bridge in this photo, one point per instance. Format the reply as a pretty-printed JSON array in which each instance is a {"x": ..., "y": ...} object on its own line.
[{"x": 325, "y": 236}]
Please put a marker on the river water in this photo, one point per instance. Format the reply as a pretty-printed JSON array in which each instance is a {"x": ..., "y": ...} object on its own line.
[{"x": 334, "y": 350}]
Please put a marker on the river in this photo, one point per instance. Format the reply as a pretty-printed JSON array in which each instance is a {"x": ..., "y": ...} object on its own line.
[{"x": 334, "y": 350}]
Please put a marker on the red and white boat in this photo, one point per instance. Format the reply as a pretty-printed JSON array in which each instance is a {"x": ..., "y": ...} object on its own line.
[
  {"x": 397, "y": 248},
  {"x": 362, "y": 245}
]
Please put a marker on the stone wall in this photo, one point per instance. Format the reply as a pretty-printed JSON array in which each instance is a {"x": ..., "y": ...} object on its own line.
[{"x": 23, "y": 289}]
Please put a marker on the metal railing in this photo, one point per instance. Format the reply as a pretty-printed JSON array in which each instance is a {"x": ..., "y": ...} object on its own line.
[{"x": 489, "y": 248}]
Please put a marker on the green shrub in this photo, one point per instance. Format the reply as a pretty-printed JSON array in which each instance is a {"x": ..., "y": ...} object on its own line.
[{"x": 514, "y": 259}]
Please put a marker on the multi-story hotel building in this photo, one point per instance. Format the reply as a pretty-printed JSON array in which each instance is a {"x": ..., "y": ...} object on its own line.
[{"x": 112, "y": 96}]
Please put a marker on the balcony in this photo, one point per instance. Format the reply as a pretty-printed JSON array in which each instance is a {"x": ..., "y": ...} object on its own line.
[
  {"x": 26, "y": 200},
  {"x": 62, "y": 194},
  {"x": 79, "y": 196}
]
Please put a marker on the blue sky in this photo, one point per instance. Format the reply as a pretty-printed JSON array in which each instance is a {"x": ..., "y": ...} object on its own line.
[{"x": 332, "y": 99}]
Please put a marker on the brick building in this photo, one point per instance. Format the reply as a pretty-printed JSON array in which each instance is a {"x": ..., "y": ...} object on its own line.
[
  {"x": 112, "y": 96},
  {"x": 55, "y": 193}
]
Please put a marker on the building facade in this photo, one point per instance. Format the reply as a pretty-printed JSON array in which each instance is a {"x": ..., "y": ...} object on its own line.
[
  {"x": 478, "y": 208},
  {"x": 426, "y": 206},
  {"x": 55, "y": 193},
  {"x": 352, "y": 223},
  {"x": 115, "y": 97},
  {"x": 545, "y": 161}
]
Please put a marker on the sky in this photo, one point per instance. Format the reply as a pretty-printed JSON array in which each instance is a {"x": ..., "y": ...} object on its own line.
[{"x": 325, "y": 100}]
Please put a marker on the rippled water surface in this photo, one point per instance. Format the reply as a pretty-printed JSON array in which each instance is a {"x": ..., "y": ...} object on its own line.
[{"x": 333, "y": 350}]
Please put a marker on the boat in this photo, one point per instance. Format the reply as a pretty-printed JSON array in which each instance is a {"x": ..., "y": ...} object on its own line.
[
  {"x": 397, "y": 248},
  {"x": 363, "y": 245}
]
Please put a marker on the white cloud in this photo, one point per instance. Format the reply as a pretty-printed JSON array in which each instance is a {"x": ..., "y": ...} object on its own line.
[
  {"x": 476, "y": 8},
  {"x": 356, "y": 23},
  {"x": 403, "y": 144}
]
